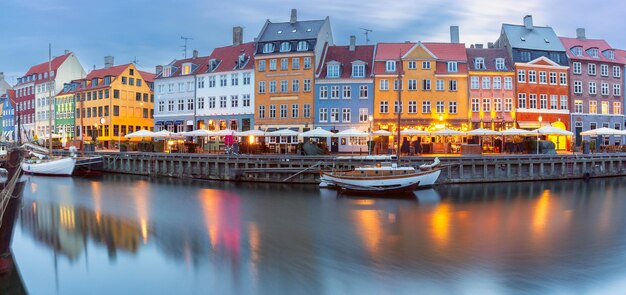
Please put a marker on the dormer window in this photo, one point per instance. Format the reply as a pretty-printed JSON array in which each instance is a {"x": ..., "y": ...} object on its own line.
[
  {"x": 453, "y": 66},
  {"x": 577, "y": 51},
  {"x": 390, "y": 66},
  {"x": 107, "y": 80},
  {"x": 500, "y": 64},
  {"x": 268, "y": 48},
  {"x": 285, "y": 47},
  {"x": 213, "y": 64},
  {"x": 593, "y": 52},
  {"x": 94, "y": 82},
  {"x": 303, "y": 46},
  {"x": 186, "y": 70},
  {"x": 358, "y": 70},
  {"x": 167, "y": 71},
  {"x": 39, "y": 77},
  {"x": 332, "y": 70},
  {"x": 241, "y": 61},
  {"x": 479, "y": 63},
  {"x": 610, "y": 54}
]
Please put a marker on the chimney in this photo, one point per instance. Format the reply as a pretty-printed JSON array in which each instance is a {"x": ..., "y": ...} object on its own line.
[
  {"x": 528, "y": 22},
  {"x": 490, "y": 45},
  {"x": 479, "y": 46},
  {"x": 294, "y": 16},
  {"x": 352, "y": 42},
  {"x": 454, "y": 34},
  {"x": 580, "y": 34},
  {"x": 66, "y": 52},
  {"x": 158, "y": 69},
  {"x": 1, "y": 76},
  {"x": 237, "y": 35},
  {"x": 195, "y": 54},
  {"x": 108, "y": 62}
]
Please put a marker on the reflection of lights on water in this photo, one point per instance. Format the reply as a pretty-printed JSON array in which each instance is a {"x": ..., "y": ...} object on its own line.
[
  {"x": 391, "y": 217},
  {"x": 541, "y": 211},
  {"x": 369, "y": 228},
  {"x": 255, "y": 248},
  {"x": 34, "y": 207},
  {"x": 440, "y": 224},
  {"x": 364, "y": 202},
  {"x": 66, "y": 217},
  {"x": 33, "y": 187},
  {"x": 144, "y": 230}
]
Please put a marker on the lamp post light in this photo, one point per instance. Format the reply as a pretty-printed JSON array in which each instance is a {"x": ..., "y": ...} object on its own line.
[
  {"x": 540, "y": 120},
  {"x": 369, "y": 144}
]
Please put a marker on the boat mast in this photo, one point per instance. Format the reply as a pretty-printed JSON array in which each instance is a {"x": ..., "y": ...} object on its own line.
[
  {"x": 399, "y": 86},
  {"x": 50, "y": 98}
]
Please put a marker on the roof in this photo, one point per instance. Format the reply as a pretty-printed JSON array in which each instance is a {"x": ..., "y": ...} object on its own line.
[
  {"x": 9, "y": 94},
  {"x": 43, "y": 67},
  {"x": 112, "y": 71},
  {"x": 490, "y": 55},
  {"x": 147, "y": 76},
  {"x": 447, "y": 51},
  {"x": 586, "y": 44},
  {"x": 620, "y": 54},
  {"x": 228, "y": 57},
  {"x": 345, "y": 57},
  {"x": 200, "y": 63},
  {"x": 392, "y": 51},
  {"x": 286, "y": 31},
  {"x": 539, "y": 38}
]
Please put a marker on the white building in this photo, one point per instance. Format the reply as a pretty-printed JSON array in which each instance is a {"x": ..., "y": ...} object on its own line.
[
  {"x": 225, "y": 91},
  {"x": 64, "y": 69}
]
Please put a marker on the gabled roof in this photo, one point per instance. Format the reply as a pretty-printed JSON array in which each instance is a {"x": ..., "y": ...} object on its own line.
[
  {"x": 228, "y": 57},
  {"x": 147, "y": 76},
  {"x": 112, "y": 71},
  {"x": 586, "y": 44},
  {"x": 286, "y": 31},
  {"x": 539, "y": 38},
  {"x": 544, "y": 60},
  {"x": 43, "y": 67},
  {"x": 10, "y": 95},
  {"x": 345, "y": 58},
  {"x": 177, "y": 65},
  {"x": 448, "y": 51},
  {"x": 392, "y": 51},
  {"x": 620, "y": 54},
  {"x": 490, "y": 55}
]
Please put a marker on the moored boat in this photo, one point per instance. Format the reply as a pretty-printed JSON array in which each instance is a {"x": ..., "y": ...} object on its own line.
[{"x": 53, "y": 166}]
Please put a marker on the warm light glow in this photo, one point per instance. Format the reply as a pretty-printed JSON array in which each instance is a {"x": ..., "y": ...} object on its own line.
[
  {"x": 369, "y": 228},
  {"x": 371, "y": 118},
  {"x": 144, "y": 230},
  {"x": 540, "y": 213},
  {"x": 540, "y": 118},
  {"x": 440, "y": 225},
  {"x": 251, "y": 139}
]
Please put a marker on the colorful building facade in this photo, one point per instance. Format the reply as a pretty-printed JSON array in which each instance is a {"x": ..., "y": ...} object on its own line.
[
  {"x": 596, "y": 83},
  {"x": 491, "y": 88},
  {"x": 286, "y": 57},
  {"x": 64, "y": 109},
  {"x": 344, "y": 91},
  {"x": 9, "y": 127}
]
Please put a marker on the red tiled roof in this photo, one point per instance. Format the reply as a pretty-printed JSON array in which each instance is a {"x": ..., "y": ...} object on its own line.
[
  {"x": 345, "y": 57},
  {"x": 147, "y": 77},
  {"x": 490, "y": 55},
  {"x": 200, "y": 62},
  {"x": 43, "y": 67},
  {"x": 620, "y": 54},
  {"x": 112, "y": 71},
  {"x": 228, "y": 55},
  {"x": 586, "y": 44},
  {"x": 392, "y": 51},
  {"x": 447, "y": 51}
]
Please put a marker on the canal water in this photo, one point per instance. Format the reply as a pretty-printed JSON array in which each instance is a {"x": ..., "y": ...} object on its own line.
[{"x": 120, "y": 234}]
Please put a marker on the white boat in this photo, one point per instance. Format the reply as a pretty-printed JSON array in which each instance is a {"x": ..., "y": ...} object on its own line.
[
  {"x": 382, "y": 178},
  {"x": 55, "y": 166}
]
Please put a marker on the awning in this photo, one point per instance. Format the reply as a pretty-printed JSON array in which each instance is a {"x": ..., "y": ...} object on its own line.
[
  {"x": 178, "y": 122},
  {"x": 529, "y": 124},
  {"x": 169, "y": 122},
  {"x": 190, "y": 122},
  {"x": 158, "y": 123}
]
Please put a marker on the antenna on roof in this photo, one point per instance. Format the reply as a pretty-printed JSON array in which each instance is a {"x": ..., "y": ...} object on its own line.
[
  {"x": 366, "y": 32},
  {"x": 135, "y": 61},
  {"x": 185, "y": 46}
]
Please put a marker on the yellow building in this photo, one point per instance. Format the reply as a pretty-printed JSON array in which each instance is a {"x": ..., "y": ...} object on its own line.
[
  {"x": 114, "y": 101},
  {"x": 433, "y": 79}
]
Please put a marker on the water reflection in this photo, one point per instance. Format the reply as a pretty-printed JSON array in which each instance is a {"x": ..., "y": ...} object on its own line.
[{"x": 236, "y": 238}]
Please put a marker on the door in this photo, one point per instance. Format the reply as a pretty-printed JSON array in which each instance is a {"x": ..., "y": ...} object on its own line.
[{"x": 334, "y": 145}]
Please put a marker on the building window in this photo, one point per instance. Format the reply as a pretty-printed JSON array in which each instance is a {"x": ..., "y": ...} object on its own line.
[
  {"x": 553, "y": 78},
  {"x": 497, "y": 104},
  {"x": 532, "y": 77},
  {"x": 453, "y": 85},
  {"x": 426, "y": 85},
  {"x": 425, "y": 65},
  {"x": 563, "y": 102},
  {"x": 211, "y": 81},
  {"x": 475, "y": 82},
  {"x": 323, "y": 92},
  {"x": 384, "y": 107},
  {"x": 591, "y": 69},
  {"x": 554, "y": 102},
  {"x": 578, "y": 106},
  {"x": 439, "y": 85},
  {"x": 617, "y": 108},
  {"x": 307, "y": 85},
  {"x": 124, "y": 80},
  {"x": 397, "y": 84},
  {"x": 500, "y": 64},
  {"x": 452, "y": 108},
  {"x": 426, "y": 107},
  {"x": 272, "y": 111},
  {"x": 412, "y": 65},
  {"x": 384, "y": 84},
  {"x": 521, "y": 76},
  {"x": 592, "y": 88},
  {"x": 593, "y": 107},
  {"x": 223, "y": 80},
  {"x": 577, "y": 68},
  {"x": 181, "y": 104},
  {"x": 200, "y": 102},
  {"x": 323, "y": 116},
  {"x": 578, "y": 51},
  {"x": 283, "y": 111},
  {"x": 334, "y": 114},
  {"x": 397, "y": 107},
  {"x": 440, "y": 107},
  {"x": 475, "y": 105},
  {"x": 363, "y": 92},
  {"x": 525, "y": 55},
  {"x": 234, "y": 101},
  {"x": 212, "y": 102},
  {"x": 307, "y": 63},
  {"x": 486, "y": 82},
  {"x": 543, "y": 78},
  {"x": 617, "y": 71},
  {"x": 521, "y": 100},
  {"x": 604, "y": 88},
  {"x": 363, "y": 115},
  {"x": 497, "y": 82},
  {"x": 272, "y": 86},
  {"x": 161, "y": 106},
  {"x": 358, "y": 71},
  {"x": 508, "y": 104},
  {"x": 453, "y": 67},
  {"x": 412, "y": 107},
  {"x": 261, "y": 112},
  {"x": 223, "y": 102},
  {"x": 332, "y": 71},
  {"x": 295, "y": 86},
  {"x": 486, "y": 105},
  {"x": 593, "y": 52},
  {"x": 284, "y": 84},
  {"x": 246, "y": 78},
  {"x": 307, "y": 110},
  {"x": 295, "y": 63},
  {"x": 284, "y": 64},
  {"x": 604, "y": 70},
  {"x": 479, "y": 63},
  {"x": 234, "y": 79},
  {"x": 272, "y": 65},
  {"x": 285, "y": 47},
  {"x": 261, "y": 66},
  {"x": 116, "y": 93},
  {"x": 268, "y": 48},
  {"x": 532, "y": 101},
  {"x": 346, "y": 92},
  {"x": 303, "y": 46},
  {"x": 412, "y": 84},
  {"x": 261, "y": 86},
  {"x": 605, "y": 107},
  {"x": 390, "y": 66},
  {"x": 294, "y": 110},
  {"x": 116, "y": 110},
  {"x": 346, "y": 115}
]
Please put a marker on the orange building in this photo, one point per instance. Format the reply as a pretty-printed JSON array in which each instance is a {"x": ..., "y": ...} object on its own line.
[{"x": 286, "y": 57}]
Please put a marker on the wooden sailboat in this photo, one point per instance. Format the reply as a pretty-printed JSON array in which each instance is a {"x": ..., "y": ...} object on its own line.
[{"x": 384, "y": 177}]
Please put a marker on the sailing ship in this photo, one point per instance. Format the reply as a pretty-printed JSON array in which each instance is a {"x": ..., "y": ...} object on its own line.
[{"x": 384, "y": 177}]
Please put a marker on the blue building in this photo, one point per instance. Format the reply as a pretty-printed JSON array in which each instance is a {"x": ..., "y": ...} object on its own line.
[
  {"x": 344, "y": 93},
  {"x": 8, "y": 118}
]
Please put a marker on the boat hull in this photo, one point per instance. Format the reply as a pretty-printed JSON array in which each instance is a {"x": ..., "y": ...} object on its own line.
[
  {"x": 382, "y": 184},
  {"x": 56, "y": 167}
]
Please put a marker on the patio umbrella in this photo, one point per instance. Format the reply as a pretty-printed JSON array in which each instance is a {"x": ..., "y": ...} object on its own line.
[
  {"x": 198, "y": 133},
  {"x": 603, "y": 131},
  {"x": 520, "y": 132},
  {"x": 352, "y": 132},
  {"x": 482, "y": 132},
  {"x": 281, "y": 133},
  {"x": 140, "y": 134},
  {"x": 551, "y": 130},
  {"x": 414, "y": 132},
  {"x": 381, "y": 133},
  {"x": 224, "y": 132},
  {"x": 253, "y": 132},
  {"x": 166, "y": 134},
  {"x": 317, "y": 132},
  {"x": 447, "y": 132}
]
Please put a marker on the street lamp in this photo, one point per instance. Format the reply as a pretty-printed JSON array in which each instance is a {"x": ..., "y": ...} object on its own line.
[
  {"x": 540, "y": 120},
  {"x": 102, "y": 121},
  {"x": 369, "y": 144}
]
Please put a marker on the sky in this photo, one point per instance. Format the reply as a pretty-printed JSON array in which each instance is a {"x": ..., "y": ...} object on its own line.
[{"x": 149, "y": 31}]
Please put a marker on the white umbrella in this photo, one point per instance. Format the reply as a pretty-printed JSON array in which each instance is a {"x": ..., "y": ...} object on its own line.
[
  {"x": 381, "y": 133},
  {"x": 54, "y": 135},
  {"x": 140, "y": 134},
  {"x": 482, "y": 132},
  {"x": 352, "y": 132},
  {"x": 413, "y": 132},
  {"x": 317, "y": 132},
  {"x": 224, "y": 132},
  {"x": 551, "y": 130},
  {"x": 198, "y": 133},
  {"x": 603, "y": 131},
  {"x": 521, "y": 132},
  {"x": 165, "y": 134},
  {"x": 253, "y": 132},
  {"x": 447, "y": 132},
  {"x": 282, "y": 132}
]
